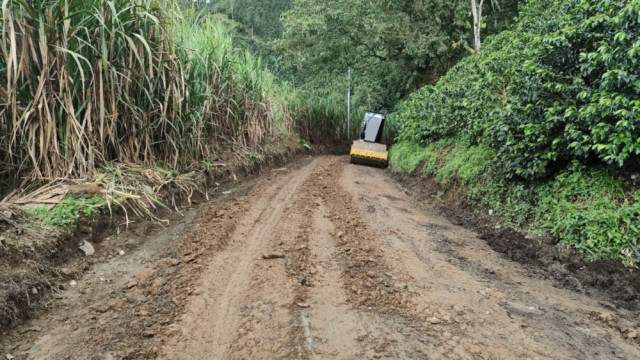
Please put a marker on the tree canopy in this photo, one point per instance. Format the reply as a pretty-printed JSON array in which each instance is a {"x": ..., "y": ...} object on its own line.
[{"x": 393, "y": 46}]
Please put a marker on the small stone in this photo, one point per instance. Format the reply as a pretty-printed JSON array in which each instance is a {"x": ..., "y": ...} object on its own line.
[
  {"x": 607, "y": 316},
  {"x": 121, "y": 253},
  {"x": 156, "y": 285},
  {"x": 132, "y": 284},
  {"x": 30, "y": 329},
  {"x": 144, "y": 274},
  {"x": 340, "y": 234},
  {"x": 148, "y": 334},
  {"x": 632, "y": 334},
  {"x": 73, "y": 283},
  {"x": 434, "y": 320},
  {"x": 174, "y": 262},
  {"x": 118, "y": 303},
  {"x": 272, "y": 256},
  {"x": 87, "y": 248},
  {"x": 103, "y": 308},
  {"x": 34, "y": 291},
  {"x": 303, "y": 305}
]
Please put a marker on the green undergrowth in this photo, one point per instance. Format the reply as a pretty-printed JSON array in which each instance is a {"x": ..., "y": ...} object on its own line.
[
  {"x": 68, "y": 211},
  {"x": 585, "y": 208}
]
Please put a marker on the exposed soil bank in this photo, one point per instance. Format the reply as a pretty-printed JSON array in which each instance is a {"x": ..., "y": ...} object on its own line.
[{"x": 606, "y": 280}]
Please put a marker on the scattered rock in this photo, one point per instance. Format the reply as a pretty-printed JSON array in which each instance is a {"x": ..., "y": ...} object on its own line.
[
  {"x": 87, "y": 248},
  {"x": 144, "y": 274},
  {"x": 434, "y": 320},
  {"x": 272, "y": 256},
  {"x": 156, "y": 285},
  {"x": 632, "y": 334},
  {"x": 148, "y": 334},
  {"x": 103, "y": 308},
  {"x": 303, "y": 305},
  {"x": 121, "y": 253},
  {"x": 132, "y": 284},
  {"x": 340, "y": 234},
  {"x": 607, "y": 317},
  {"x": 73, "y": 283},
  {"x": 30, "y": 329}
]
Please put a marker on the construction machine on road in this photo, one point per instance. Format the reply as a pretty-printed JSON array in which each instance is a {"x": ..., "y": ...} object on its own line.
[{"x": 368, "y": 148}]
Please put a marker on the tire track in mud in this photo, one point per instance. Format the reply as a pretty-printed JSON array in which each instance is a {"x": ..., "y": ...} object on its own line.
[
  {"x": 474, "y": 302},
  {"x": 359, "y": 271},
  {"x": 364, "y": 276},
  {"x": 212, "y": 318}
]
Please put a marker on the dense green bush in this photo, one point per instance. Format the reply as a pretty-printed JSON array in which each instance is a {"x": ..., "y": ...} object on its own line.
[
  {"x": 543, "y": 126},
  {"x": 585, "y": 208},
  {"x": 544, "y": 100}
]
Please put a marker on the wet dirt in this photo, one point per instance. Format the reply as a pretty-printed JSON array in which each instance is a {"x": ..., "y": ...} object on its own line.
[
  {"x": 608, "y": 281},
  {"x": 322, "y": 260}
]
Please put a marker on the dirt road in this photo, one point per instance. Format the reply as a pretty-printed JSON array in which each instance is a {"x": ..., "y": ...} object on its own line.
[{"x": 324, "y": 260}]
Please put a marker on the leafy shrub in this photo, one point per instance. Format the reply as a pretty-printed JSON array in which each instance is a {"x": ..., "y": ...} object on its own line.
[
  {"x": 585, "y": 208},
  {"x": 588, "y": 210},
  {"x": 68, "y": 210},
  {"x": 542, "y": 101}
]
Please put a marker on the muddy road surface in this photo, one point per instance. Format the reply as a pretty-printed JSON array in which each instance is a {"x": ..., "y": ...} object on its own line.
[{"x": 323, "y": 260}]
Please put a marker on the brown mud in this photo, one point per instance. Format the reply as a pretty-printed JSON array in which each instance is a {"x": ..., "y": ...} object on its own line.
[
  {"x": 36, "y": 264},
  {"x": 322, "y": 260},
  {"x": 609, "y": 281}
]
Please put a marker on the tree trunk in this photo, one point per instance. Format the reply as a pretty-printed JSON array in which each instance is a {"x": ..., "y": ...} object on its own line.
[{"x": 476, "y": 10}]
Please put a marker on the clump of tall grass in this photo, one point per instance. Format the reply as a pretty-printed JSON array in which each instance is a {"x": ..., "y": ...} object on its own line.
[
  {"x": 83, "y": 83},
  {"x": 322, "y": 118}
]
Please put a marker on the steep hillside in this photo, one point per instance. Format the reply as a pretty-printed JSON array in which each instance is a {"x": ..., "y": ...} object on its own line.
[{"x": 542, "y": 126}]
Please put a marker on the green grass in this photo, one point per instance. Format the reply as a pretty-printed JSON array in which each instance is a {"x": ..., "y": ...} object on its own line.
[{"x": 66, "y": 213}]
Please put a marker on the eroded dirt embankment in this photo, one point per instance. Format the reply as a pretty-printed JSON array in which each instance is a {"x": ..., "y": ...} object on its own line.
[
  {"x": 322, "y": 260},
  {"x": 608, "y": 281}
]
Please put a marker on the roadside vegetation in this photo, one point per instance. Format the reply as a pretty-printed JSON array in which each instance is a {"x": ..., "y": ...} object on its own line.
[
  {"x": 89, "y": 86},
  {"x": 529, "y": 108},
  {"x": 541, "y": 127}
]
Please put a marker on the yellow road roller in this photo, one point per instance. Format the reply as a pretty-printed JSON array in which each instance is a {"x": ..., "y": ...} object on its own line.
[{"x": 368, "y": 148}]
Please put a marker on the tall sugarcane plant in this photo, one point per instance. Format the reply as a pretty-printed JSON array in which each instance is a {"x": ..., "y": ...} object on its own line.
[{"x": 132, "y": 81}]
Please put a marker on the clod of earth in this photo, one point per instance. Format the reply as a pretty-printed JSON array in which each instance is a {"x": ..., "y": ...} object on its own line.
[{"x": 87, "y": 248}]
